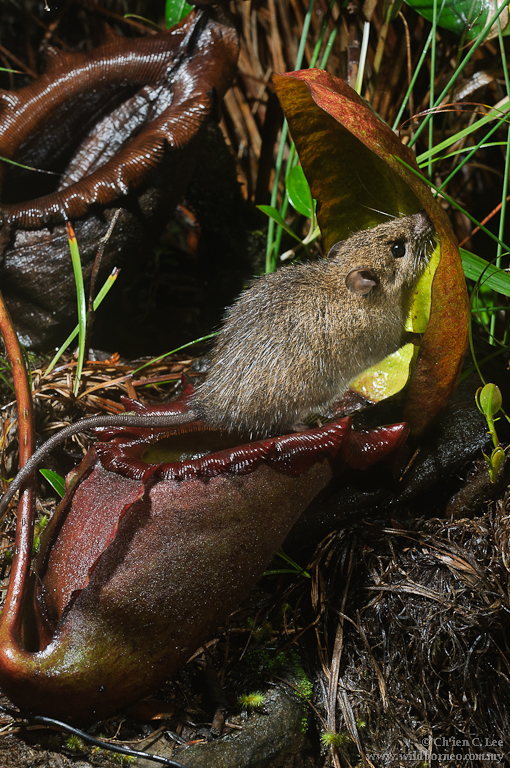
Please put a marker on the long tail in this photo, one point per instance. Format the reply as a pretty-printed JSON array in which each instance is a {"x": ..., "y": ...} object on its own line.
[{"x": 128, "y": 419}]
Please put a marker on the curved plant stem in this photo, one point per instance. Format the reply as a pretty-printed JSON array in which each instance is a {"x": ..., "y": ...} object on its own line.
[{"x": 11, "y": 614}]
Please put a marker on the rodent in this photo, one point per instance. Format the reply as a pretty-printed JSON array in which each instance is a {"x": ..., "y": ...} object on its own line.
[{"x": 293, "y": 341}]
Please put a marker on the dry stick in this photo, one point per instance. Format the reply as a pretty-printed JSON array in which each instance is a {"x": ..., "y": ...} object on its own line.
[
  {"x": 409, "y": 62},
  {"x": 335, "y": 692},
  {"x": 11, "y": 615},
  {"x": 11, "y": 57},
  {"x": 334, "y": 671},
  {"x": 484, "y": 221}
]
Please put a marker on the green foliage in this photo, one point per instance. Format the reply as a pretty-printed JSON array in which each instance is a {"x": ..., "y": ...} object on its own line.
[
  {"x": 251, "y": 701},
  {"x": 280, "y": 664},
  {"x": 176, "y": 11},
  {"x": 53, "y": 742},
  {"x": 274, "y": 236},
  {"x": 74, "y": 744},
  {"x": 267, "y": 662},
  {"x": 20, "y": 165},
  {"x": 40, "y": 525},
  {"x": 329, "y": 739},
  {"x": 173, "y": 351},
  {"x": 82, "y": 306},
  {"x": 5, "y": 368},
  {"x": 476, "y": 268},
  {"x": 56, "y": 481},
  {"x": 294, "y": 567},
  {"x": 260, "y": 632},
  {"x": 489, "y": 402},
  {"x": 7, "y": 557},
  {"x": 298, "y": 192},
  {"x": 110, "y": 280},
  {"x": 143, "y": 19},
  {"x": 299, "y": 195},
  {"x": 464, "y": 17},
  {"x": 304, "y": 684},
  {"x": 114, "y": 757},
  {"x": 275, "y": 214}
]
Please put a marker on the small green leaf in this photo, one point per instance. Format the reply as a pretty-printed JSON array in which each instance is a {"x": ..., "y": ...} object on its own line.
[
  {"x": 55, "y": 480},
  {"x": 497, "y": 460},
  {"x": 419, "y": 313},
  {"x": 273, "y": 213},
  {"x": 459, "y": 16},
  {"x": 387, "y": 377},
  {"x": 489, "y": 400},
  {"x": 298, "y": 192},
  {"x": 295, "y": 568},
  {"x": 476, "y": 268},
  {"x": 175, "y": 11}
]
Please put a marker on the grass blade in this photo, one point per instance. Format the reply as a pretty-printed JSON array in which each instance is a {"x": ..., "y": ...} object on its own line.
[
  {"x": 173, "y": 351},
  {"x": 476, "y": 268},
  {"x": 82, "y": 306},
  {"x": 110, "y": 280},
  {"x": 56, "y": 481}
]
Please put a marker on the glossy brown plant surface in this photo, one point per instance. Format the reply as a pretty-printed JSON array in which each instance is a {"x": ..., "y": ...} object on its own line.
[
  {"x": 173, "y": 560},
  {"x": 360, "y": 173},
  {"x": 119, "y": 127},
  {"x": 137, "y": 567},
  {"x": 165, "y": 84}
]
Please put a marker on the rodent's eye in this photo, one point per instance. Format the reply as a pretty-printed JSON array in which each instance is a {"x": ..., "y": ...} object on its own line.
[{"x": 398, "y": 249}]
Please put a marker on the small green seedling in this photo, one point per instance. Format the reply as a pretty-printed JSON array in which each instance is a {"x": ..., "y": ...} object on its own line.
[
  {"x": 489, "y": 402},
  {"x": 8, "y": 555},
  {"x": 294, "y": 567},
  {"x": 260, "y": 632},
  {"x": 114, "y": 757},
  {"x": 330, "y": 739},
  {"x": 74, "y": 744},
  {"x": 39, "y": 528},
  {"x": 251, "y": 701}
]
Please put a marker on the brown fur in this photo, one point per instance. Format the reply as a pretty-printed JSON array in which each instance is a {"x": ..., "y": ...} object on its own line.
[{"x": 293, "y": 341}]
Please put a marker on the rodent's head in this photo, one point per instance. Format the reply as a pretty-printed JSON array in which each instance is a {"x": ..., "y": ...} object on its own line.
[{"x": 388, "y": 258}]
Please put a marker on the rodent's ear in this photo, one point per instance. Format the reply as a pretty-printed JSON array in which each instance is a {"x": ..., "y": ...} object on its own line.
[
  {"x": 334, "y": 249},
  {"x": 361, "y": 281}
]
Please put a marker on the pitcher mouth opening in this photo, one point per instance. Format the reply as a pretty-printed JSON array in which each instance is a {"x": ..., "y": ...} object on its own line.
[
  {"x": 193, "y": 451},
  {"x": 190, "y": 445}
]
